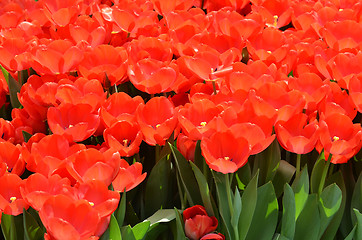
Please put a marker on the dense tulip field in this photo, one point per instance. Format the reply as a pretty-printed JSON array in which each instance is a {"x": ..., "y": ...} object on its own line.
[{"x": 182, "y": 119}]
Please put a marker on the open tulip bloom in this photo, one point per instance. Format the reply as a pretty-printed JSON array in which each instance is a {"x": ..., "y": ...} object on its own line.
[{"x": 183, "y": 119}]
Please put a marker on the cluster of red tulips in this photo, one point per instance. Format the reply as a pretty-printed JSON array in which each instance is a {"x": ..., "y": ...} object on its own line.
[{"x": 86, "y": 82}]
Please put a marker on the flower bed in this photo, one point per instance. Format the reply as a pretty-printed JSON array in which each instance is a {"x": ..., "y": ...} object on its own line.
[{"x": 156, "y": 119}]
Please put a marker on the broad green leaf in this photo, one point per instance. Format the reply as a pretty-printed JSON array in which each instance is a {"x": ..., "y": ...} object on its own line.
[
  {"x": 158, "y": 184},
  {"x": 333, "y": 226},
  {"x": 224, "y": 209},
  {"x": 32, "y": 230},
  {"x": 316, "y": 176},
  {"x": 308, "y": 222},
  {"x": 198, "y": 158},
  {"x": 248, "y": 201},
  {"x": 180, "y": 234},
  {"x": 358, "y": 233},
  {"x": 351, "y": 234},
  {"x": 268, "y": 162},
  {"x": 204, "y": 189},
  {"x": 301, "y": 190},
  {"x": 265, "y": 217},
  {"x": 127, "y": 233},
  {"x": 288, "y": 219},
  {"x": 14, "y": 88},
  {"x": 140, "y": 230},
  {"x": 162, "y": 215},
  {"x": 329, "y": 203},
  {"x": 114, "y": 230},
  {"x": 8, "y": 227},
  {"x": 155, "y": 230},
  {"x": 121, "y": 210},
  {"x": 283, "y": 175},
  {"x": 235, "y": 216},
  {"x": 356, "y": 202},
  {"x": 187, "y": 177},
  {"x": 131, "y": 216},
  {"x": 243, "y": 176}
]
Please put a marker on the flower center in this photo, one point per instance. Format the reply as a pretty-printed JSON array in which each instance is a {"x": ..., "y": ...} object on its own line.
[
  {"x": 158, "y": 125},
  {"x": 12, "y": 199},
  {"x": 203, "y": 124},
  {"x": 125, "y": 142},
  {"x": 227, "y": 158},
  {"x": 91, "y": 203},
  {"x": 275, "y": 20},
  {"x": 335, "y": 138}
]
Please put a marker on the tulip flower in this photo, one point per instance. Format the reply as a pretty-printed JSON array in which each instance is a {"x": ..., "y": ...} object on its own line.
[{"x": 197, "y": 222}]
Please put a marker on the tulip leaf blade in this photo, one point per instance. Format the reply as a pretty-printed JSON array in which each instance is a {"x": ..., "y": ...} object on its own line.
[
  {"x": 187, "y": 177},
  {"x": 32, "y": 230},
  {"x": 14, "y": 88},
  {"x": 308, "y": 222},
  {"x": 222, "y": 195},
  {"x": 127, "y": 233},
  {"x": 333, "y": 226},
  {"x": 265, "y": 215},
  {"x": 162, "y": 215},
  {"x": 282, "y": 176},
  {"x": 288, "y": 219},
  {"x": 158, "y": 184},
  {"x": 248, "y": 200},
  {"x": 180, "y": 234},
  {"x": 204, "y": 189},
  {"x": 301, "y": 191},
  {"x": 356, "y": 202},
  {"x": 358, "y": 233},
  {"x": 8, "y": 226},
  {"x": 114, "y": 230},
  {"x": 329, "y": 204},
  {"x": 121, "y": 210},
  {"x": 316, "y": 175},
  {"x": 141, "y": 229},
  {"x": 350, "y": 236},
  {"x": 235, "y": 216}
]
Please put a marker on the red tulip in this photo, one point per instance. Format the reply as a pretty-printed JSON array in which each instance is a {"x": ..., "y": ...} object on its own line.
[
  {"x": 213, "y": 236},
  {"x": 75, "y": 122},
  {"x": 224, "y": 152},
  {"x": 197, "y": 222},
  {"x": 124, "y": 137},
  {"x": 11, "y": 201},
  {"x": 68, "y": 219},
  {"x": 157, "y": 119},
  {"x": 128, "y": 176}
]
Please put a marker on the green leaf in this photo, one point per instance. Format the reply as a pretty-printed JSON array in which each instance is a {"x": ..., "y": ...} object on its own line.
[
  {"x": 333, "y": 226},
  {"x": 155, "y": 230},
  {"x": 243, "y": 176},
  {"x": 114, "y": 231},
  {"x": 204, "y": 189},
  {"x": 158, "y": 184},
  {"x": 180, "y": 234},
  {"x": 162, "y": 215},
  {"x": 351, "y": 234},
  {"x": 268, "y": 162},
  {"x": 32, "y": 230},
  {"x": 121, "y": 210},
  {"x": 308, "y": 222},
  {"x": 358, "y": 233},
  {"x": 222, "y": 195},
  {"x": 283, "y": 175},
  {"x": 329, "y": 203},
  {"x": 248, "y": 201},
  {"x": 356, "y": 202},
  {"x": 14, "y": 88},
  {"x": 301, "y": 190},
  {"x": 198, "y": 158},
  {"x": 26, "y": 136},
  {"x": 8, "y": 227},
  {"x": 288, "y": 220},
  {"x": 235, "y": 216},
  {"x": 265, "y": 217},
  {"x": 140, "y": 230},
  {"x": 187, "y": 177},
  {"x": 127, "y": 233},
  {"x": 317, "y": 171}
]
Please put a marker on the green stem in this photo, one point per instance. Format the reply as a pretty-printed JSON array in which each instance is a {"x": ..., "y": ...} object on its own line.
[
  {"x": 157, "y": 153},
  {"x": 298, "y": 166},
  {"x": 324, "y": 174},
  {"x": 228, "y": 192}
]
